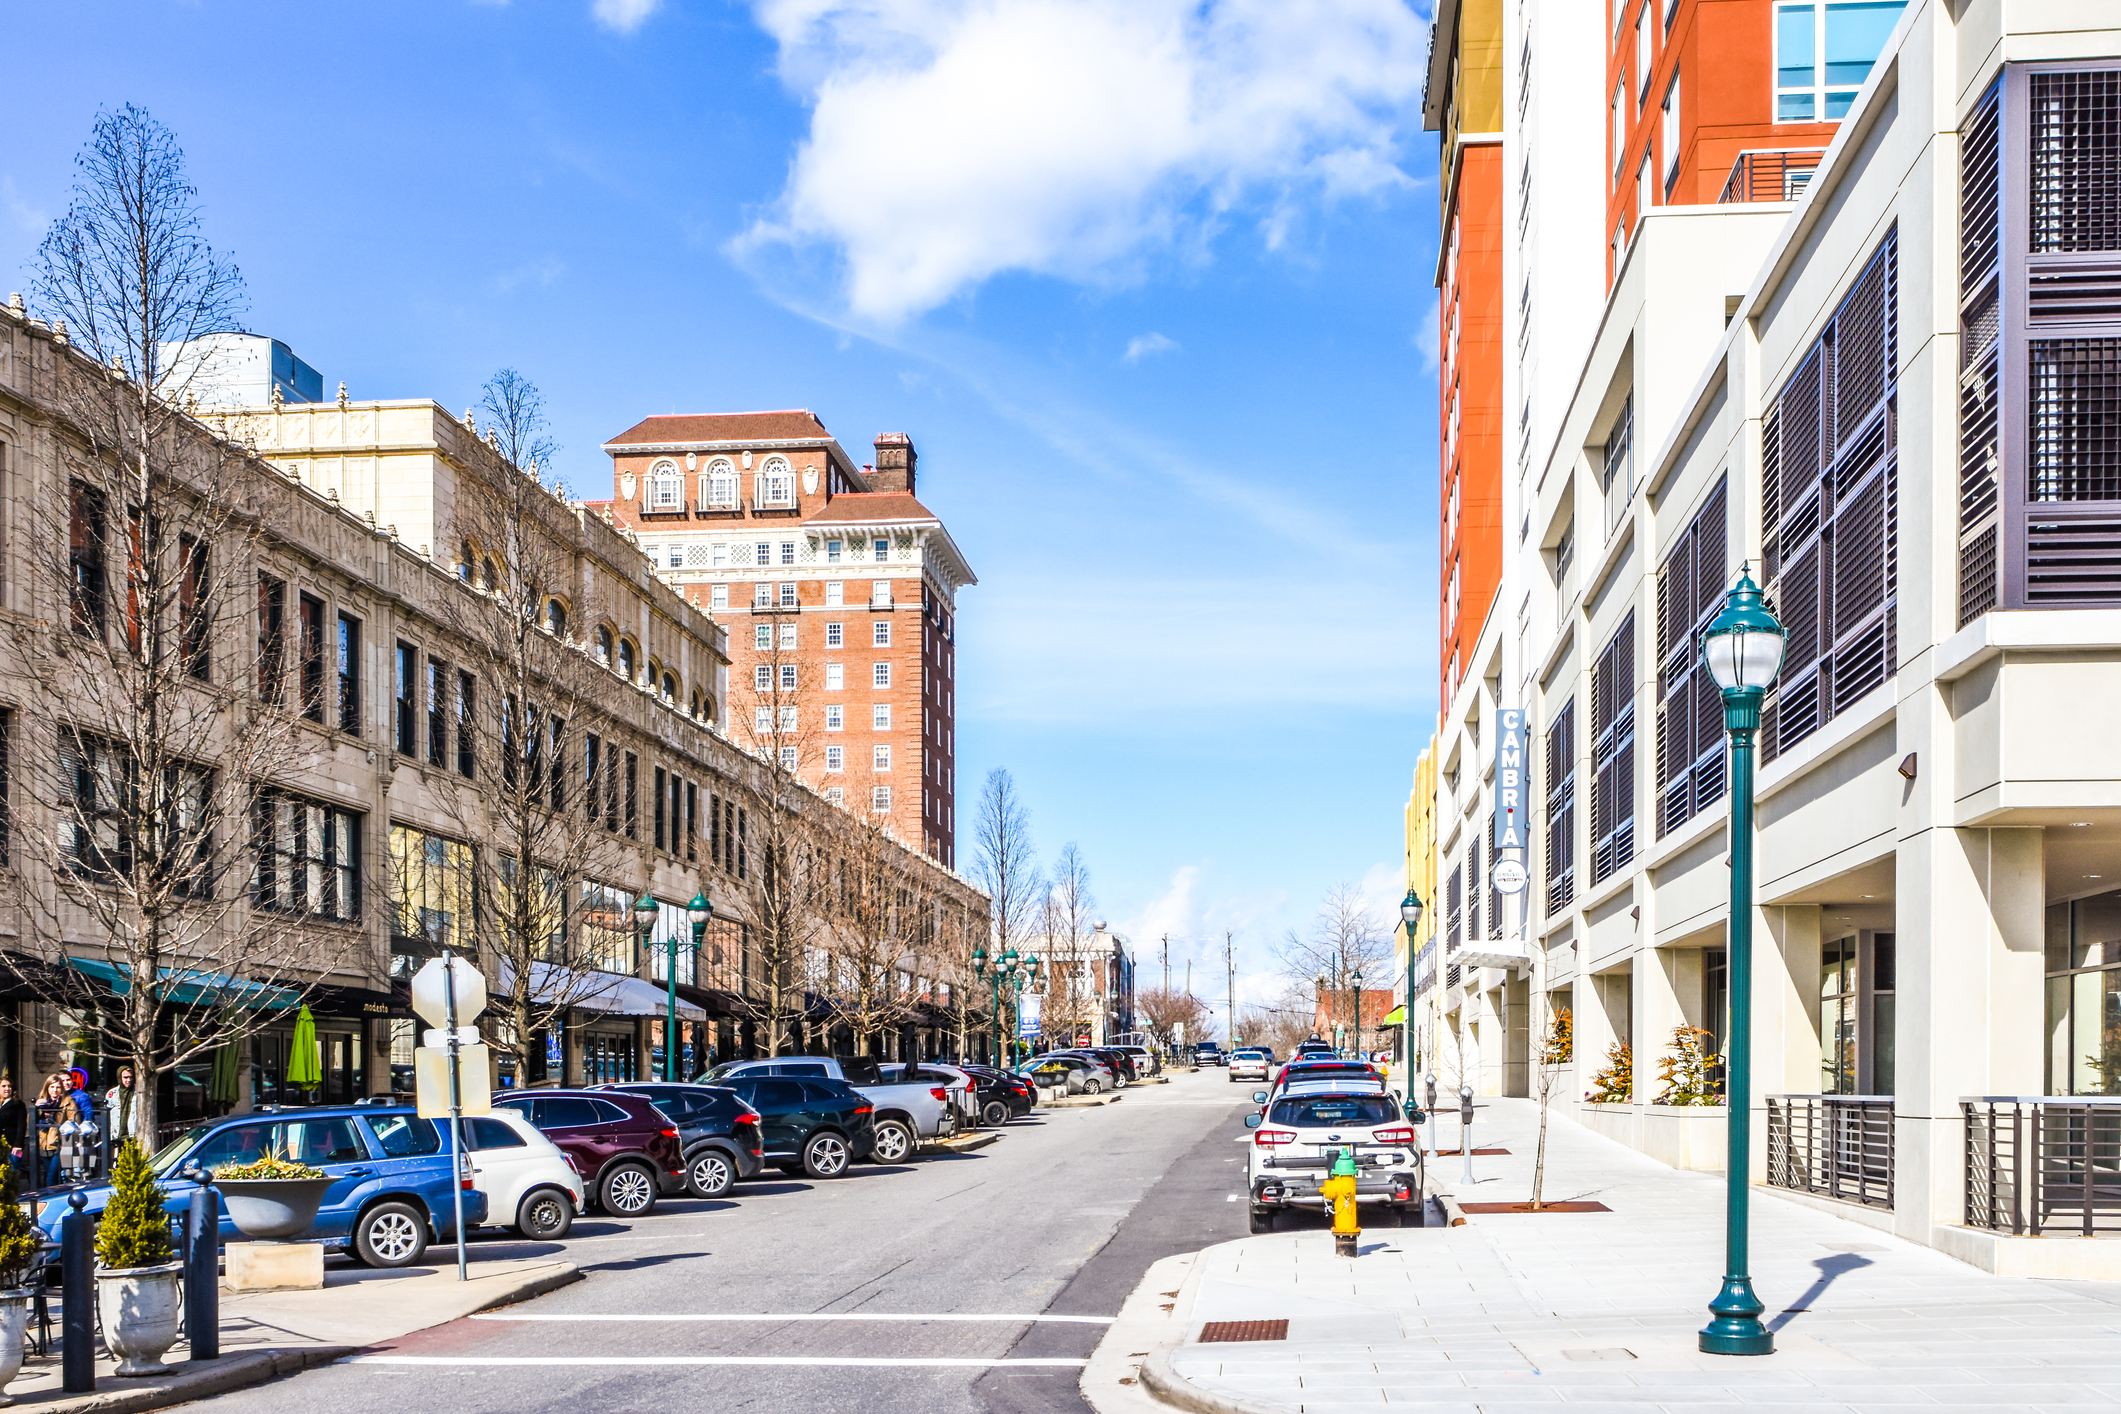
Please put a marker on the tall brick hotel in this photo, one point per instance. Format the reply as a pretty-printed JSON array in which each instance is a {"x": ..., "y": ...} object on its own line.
[{"x": 839, "y": 589}]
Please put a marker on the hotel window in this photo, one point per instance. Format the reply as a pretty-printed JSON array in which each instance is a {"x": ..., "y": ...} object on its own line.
[
  {"x": 675, "y": 558},
  {"x": 835, "y": 677},
  {"x": 349, "y": 675},
  {"x": 880, "y": 675},
  {"x": 788, "y": 719},
  {"x": 835, "y": 592},
  {"x": 879, "y": 593},
  {"x": 836, "y": 794},
  {"x": 788, "y": 596},
  {"x": 87, "y": 527},
  {"x": 467, "y": 704},
  {"x": 194, "y": 607},
  {"x": 788, "y": 758},
  {"x": 1671, "y": 133},
  {"x": 1620, "y": 130},
  {"x": 776, "y": 484},
  {"x": 627, "y": 669},
  {"x": 882, "y": 549},
  {"x": 762, "y": 637},
  {"x": 787, "y": 552},
  {"x": 787, "y": 636},
  {"x": 718, "y": 554},
  {"x": 762, "y": 677},
  {"x": 1642, "y": 54},
  {"x": 312, "y": 657},
  {"x": 666, "y": 488},
  {"x": 835, "y": 635},
  {"x": 1824, "y": 50},
  {"x": 835, "y": 717},
  {"x": 835, "y": 758},
  {"x": 788, "y": 677},
  {"x": 437, "y": 713},
  {"x": 762, "y": 721},
  {"x": 880, "y": 758},
  {"x": 832, "y": 552},
  {"x": 1645, "y": 193},
  {"x": 880, "y": 716},
  {"x": 880, "y": 799},
  {"x": 762, "y": 553},
  {"x": 718, "y": 597},
  {"x": 718, "y": 491},
  {"x": 880, "y": 633}
]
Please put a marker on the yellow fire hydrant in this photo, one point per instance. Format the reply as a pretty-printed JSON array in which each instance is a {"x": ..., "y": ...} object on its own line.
[{"x": 1339, "y": 1190}]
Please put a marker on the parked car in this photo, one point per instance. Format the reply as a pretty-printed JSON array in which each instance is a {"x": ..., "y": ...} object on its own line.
[
  {"x": 1078, "y": 1075},
  {"x": 625, "y": 1149},
  {"x": 1002, "y": 1096},
  {"x": 813, "y": 1126},
  {"x": 393, "y": 1194},
  {"x": 717, "y": 1131},
  {"x": 907, "y": 1111},
  {"x": 1248, "y": 1063},
  {"x": 1146, "y": 1061},
  {"x": 1208, "y": 1053},
  {"x": 1295, "y": 1141},
  {"x": 1120, "y": 1067},
  {"x": 529, "y": 1184}
]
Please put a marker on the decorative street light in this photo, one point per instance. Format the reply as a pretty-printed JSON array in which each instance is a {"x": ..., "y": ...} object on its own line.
[
  {"x": 645, "y": 912},
  {"x": 1356, "y": 978},
  {"x": 1742, "y": 650},
  {"x": 1325, "y": 1008},
  {"x": 1410, "y": 915},
  {"x": 996, "y": 976},
  {"x": 698, "y": 912}
]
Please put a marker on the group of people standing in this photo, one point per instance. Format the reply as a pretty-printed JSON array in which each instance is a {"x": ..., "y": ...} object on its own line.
[{"x": 61, "y": 1129}]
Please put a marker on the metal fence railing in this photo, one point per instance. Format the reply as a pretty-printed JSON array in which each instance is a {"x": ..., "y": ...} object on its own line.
[
  {"x": 1763, "y": 175},
  {"x": 1837, "y": 1146},
  {"x": 2043, "y": 1163}
]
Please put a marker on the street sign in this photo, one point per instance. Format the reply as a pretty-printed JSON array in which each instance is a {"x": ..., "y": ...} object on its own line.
[
  {"x": 430, "y": 1076},
  {"x": 1510, "y": 877},
  {"x": 1513, "y": 821},
  {"x": 1027, "y": 1018},
  {"x": 430, "y": 992},
  {"x": 440, "y": 1036}
]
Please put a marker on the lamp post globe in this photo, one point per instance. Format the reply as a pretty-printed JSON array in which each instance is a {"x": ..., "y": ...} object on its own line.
[
  {"x": 699, "y": 912},
  {"x": 1742, "y": 650}
]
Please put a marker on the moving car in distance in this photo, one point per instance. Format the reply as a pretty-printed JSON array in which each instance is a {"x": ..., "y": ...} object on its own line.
[{"x": 1249, "y": 1063}]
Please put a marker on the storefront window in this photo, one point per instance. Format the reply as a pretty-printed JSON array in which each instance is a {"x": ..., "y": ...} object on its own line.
[
  {"x": 1856, "y": 1015},
  {"x": 2084, "y": 996},
  {"x": 608, "y": 1057}
]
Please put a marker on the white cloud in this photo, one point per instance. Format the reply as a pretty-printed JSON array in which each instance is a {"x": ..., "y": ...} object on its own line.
[
  {"x": 29, "y": 219},
  {"x": 540, "y": 272},
  {"x": 625, "y": 16},
  {"x": 1428, "y": 338},
  {"x": 1143, "y": 345},
  {"x": 952, "y": 140}
]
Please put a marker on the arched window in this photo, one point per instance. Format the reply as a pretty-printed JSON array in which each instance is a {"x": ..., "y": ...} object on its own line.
[
  {"x": 556, "y": 618},
  {"x": 627, "y": 668},
  {"x": 666, "y": 488},
  {"x": 776, "y": 483},
  {"x": 670, "y": 689},
  {"x": 493, "y": 575},
  {"x": 604, "y": 646},
  {"x": 465, "y": 560},
  {"x": 718, "y": 485},
  {"x": 695, "y": 704}
]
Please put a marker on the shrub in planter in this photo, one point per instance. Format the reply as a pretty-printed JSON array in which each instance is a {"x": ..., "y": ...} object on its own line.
[
  {"x": 138, "y": 1282},
  {"x": 1558, "y": 1046},
  {"x": 272, "y": 1198},
  {"x": 1614, "y": 1084},
  {"x": 18, "y": 1257},
  {"x": 1685, "y": 1070}
]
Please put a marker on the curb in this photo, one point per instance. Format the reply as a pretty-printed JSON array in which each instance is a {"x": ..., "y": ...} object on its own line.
[
  {"x": 1451, "y": 1210},
  {"x": 979, "y": 1139},
  {"x": 230, "y": 1372},
  {"x": 567, "y": 1275},
  {"x": 1174, "y": 1389}
]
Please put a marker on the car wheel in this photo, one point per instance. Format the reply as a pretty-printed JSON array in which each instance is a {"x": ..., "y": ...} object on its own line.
[
  {"x": 994, "y": 1114},
  {"x": 1091, "y": 1087},
  {"x": 894, "y": 1144},
  {"x": 628, "y": 1191},
  {"x": 545, "y": 1216},
  {"x": 710, "y": 1174},
  {"x": 825, "y": 1155},
  {"x": 1262, "y": 1220},
  {"x": 391, "y": 1235}
]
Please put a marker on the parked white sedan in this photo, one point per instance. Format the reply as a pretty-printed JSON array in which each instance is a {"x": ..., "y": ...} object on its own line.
[{"x": 529, "y": 1184}]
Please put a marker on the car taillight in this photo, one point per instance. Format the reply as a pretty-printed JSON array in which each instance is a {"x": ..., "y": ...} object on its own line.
[
  {"x": 865, "y": 1109},
  {"x": 940, "y": 1093},
  {"x": 748, "y": 1117},
  {"x": 1273, "y": 1136},
  {"x": 1399, "y": 1134},
  {"x": 668, "y": 1133},
  {"x": 466, "y": 1184}
]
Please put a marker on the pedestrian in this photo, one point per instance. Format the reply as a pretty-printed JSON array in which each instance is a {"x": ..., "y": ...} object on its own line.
[
  {"x": 14, "y": 1124},
  {"x": 51, "y": 1106},
  {"x": 77, "y": 1138},
  {"x": 121, "y": 1109}
]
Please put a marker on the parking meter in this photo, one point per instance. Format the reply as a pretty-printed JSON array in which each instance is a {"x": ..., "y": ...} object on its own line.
[
  {"x": 1431, "y": 1110},
  {"x": 1465, "y": 1129}
]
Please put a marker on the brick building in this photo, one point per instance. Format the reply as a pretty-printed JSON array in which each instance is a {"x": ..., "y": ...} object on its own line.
[{"x": 839, "y": 589}]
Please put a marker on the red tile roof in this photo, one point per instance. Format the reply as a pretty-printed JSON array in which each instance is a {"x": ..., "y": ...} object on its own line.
[
  {"x": 787, "y": 425},
  {"x": 855, "y": 507}
]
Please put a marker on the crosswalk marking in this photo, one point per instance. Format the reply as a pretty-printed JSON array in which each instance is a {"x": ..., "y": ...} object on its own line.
[
  {"x": 922, "y": 1361},
  {"x": 574, "y": 1318}
]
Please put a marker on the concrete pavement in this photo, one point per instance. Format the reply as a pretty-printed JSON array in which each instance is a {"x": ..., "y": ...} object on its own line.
[{"x": 1600, "y": 1310}]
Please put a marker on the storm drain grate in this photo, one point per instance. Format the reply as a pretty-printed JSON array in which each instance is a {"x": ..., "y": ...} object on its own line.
[{"x": 1243, "y": 1330}]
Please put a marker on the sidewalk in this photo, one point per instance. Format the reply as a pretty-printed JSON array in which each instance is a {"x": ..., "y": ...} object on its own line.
[
  {"x": 1600, "y": 1310},
  {"x": 268, "y": 1334}
]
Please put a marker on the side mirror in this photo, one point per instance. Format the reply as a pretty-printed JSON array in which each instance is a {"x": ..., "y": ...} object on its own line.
[
  {"x": 1253, "y": 1121},
  {"x": 1259, "y": 1097},
  {"x": 1416, "y": 1117}
]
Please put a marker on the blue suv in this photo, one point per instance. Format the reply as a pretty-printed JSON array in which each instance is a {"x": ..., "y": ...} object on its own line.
[{"x": 393, "y": 1192}]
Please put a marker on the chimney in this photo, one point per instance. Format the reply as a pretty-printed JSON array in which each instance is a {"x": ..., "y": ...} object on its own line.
[{"x": 895, "y": 460}]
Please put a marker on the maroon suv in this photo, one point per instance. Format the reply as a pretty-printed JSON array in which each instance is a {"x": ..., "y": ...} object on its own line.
[{"x": 625, "y": 1149}]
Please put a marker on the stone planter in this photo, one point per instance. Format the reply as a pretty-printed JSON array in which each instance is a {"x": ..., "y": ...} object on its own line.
[
  {"x": 14, "y": 1320},
  {"x": 142, "y": 1307},
  {"x": 273, "y": 1208}
]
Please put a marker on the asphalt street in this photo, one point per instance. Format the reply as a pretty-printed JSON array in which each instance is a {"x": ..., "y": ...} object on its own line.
[{"x": 969, "y": 1282}]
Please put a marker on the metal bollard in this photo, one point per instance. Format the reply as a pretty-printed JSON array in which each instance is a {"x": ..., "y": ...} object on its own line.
[
  {"x": 202, "y": 1270},
  {"x": 77, "y": 1332},
  {"x": 1465, "y": 1129}
]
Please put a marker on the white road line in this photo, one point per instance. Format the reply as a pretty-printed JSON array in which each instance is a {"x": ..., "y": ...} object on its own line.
[
  {"x": 769, "y": 1316},
  {"x": 487, "y": 1361}
]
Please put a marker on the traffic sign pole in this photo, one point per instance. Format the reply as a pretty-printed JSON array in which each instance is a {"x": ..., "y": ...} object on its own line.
[{"x": 456, "y": 1108}]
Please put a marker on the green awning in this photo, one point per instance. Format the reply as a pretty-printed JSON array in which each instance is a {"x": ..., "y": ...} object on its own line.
[
  {"x": 1397, "y": 1016},
  {"x": 191, "y": 988}
]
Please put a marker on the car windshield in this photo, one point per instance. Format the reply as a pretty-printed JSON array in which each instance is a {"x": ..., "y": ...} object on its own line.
[
  {"x": 1331, "y": 1111},
  {"x": 170, "y": 1154},
  {"x": 724, "y": 1071}
]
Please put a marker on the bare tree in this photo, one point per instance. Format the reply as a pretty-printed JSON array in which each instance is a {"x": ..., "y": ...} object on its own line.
[
  {"x": 1005, "y": 864},
  {"x": 166, "y": 917},
  {"x": 1345, "y": 938},
  {"x": 515, "y": 420},
  {"x": 1067, "y": 920},
  {"x": 1166, "y": 1011},
  {"x": 529, "y": 729},
  {"x": 1556, "y": 1046},
  {"x": 878, "y": 928}
]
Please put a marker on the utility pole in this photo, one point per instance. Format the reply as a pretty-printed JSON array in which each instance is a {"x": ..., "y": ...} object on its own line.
[
  {"x": 1167, "y": 964},
  {"x": 1230, "y": 962}
]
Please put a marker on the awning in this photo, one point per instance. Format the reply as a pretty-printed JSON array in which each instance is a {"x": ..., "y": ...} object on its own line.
[
  {"x": 611, "y": 993},
  {"x": 192, "y": 988},
  {"x": 1397, "y": 1016},
  {"x": 714, "y": 1001}
]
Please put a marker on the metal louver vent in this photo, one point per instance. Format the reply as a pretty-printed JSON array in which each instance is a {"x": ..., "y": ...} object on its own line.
[
  {"x": 2073, "y": 448},
  {"x": 2074, "y": 146},
  {"x": 1689, "y": 709},
  {"x": 1980, "y": 352},
  {"x": 1613, "y": 754},
  {"x": 1980, "y": 192},
  {"x": 2072, "y": 562},
  {"x": 1561, "y": 809},
  {"x": 2074, "y": 293}
]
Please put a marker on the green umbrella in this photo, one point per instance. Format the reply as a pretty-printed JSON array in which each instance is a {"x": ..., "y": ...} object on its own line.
[
  {"x": 223, "y": 1089},
  {"x": 305, "y": 1061}
]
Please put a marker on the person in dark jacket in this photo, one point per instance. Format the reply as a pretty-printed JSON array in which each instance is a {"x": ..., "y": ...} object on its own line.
[{"x": 14, "y": 1125}]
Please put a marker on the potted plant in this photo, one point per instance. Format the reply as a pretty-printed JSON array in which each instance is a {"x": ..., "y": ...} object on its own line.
[
  {"x": 18, "y": 1257},
  {"x": 137, "y": 1282},
  {"x": 272, "y": 1198}
]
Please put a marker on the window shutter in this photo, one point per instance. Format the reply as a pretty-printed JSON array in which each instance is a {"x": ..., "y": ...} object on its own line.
[
  {"x": 1613, "y": 755},
  {"x": 1690, "y": 775},
  {"x": 1561, "y": 809}
]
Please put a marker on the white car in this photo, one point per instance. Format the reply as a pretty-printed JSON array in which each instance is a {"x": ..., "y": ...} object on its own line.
[
  {"x": 1250, "y": 1063},
  {"x": 1294, "y": 1143},
  {"x": 529, "y": 1184}
]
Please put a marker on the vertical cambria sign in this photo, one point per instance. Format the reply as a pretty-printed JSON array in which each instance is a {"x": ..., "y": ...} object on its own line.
[{"x": 1513, "y": 827}]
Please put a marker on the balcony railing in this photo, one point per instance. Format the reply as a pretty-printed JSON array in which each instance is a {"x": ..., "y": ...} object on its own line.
[
  {"x": 2043, "y": 1164},
  {"x": 1837, "y": 1146},
  {"x": 1771, "y": 176}
]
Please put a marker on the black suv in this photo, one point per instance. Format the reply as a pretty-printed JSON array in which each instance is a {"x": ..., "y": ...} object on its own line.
[
  {"x": 1002, "y": 1096},
  {"x": 812, "y": 1126},
  {"x": 720, "y": 1134}
]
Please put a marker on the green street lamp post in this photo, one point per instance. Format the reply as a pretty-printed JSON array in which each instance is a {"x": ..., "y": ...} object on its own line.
[
  {"x": 697, "y": 913},
  {"x": 1355, "y": 981},
  {"x": 1410, "y": 915},
  {"x": 645, "y": 912},
  {"x": 1003, "y": 966},
  {"x": 1742, "y": 650}
]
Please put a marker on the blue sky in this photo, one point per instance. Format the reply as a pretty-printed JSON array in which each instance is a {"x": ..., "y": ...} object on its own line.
[{"x": 1148, "y": 281}]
